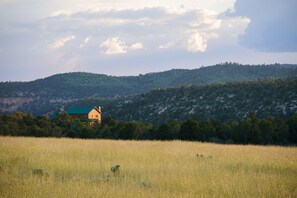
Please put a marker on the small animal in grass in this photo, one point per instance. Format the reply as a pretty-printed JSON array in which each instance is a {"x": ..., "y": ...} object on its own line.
[
  {"x": 199, "y": 155},
  {"x": 115, "y": 168},
  {"x": 40, "y": 172}
]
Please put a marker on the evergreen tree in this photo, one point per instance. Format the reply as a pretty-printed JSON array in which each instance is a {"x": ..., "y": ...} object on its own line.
[
  {"x": 189, "y": 130},
  {"x": 292, "y": 124},
  {"x": 266, "y": 128}
]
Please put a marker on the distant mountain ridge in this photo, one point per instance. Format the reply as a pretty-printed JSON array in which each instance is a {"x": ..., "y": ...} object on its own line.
[
  {"x": 44, "y": 95},
  {"x": 81, "y": 85}
]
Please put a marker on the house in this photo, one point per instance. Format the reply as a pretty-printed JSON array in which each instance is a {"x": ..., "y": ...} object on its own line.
[{"x": 84, "y": 114}]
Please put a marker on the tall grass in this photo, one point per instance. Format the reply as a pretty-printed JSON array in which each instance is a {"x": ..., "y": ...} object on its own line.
[{"x": 49, "y": 167}]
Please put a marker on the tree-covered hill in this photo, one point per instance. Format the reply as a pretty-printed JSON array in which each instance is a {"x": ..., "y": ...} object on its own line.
[
  {"x": 81, "y": 85},
  {"x": 46, "y": 95},
  {"x": 224, "y": 102}
]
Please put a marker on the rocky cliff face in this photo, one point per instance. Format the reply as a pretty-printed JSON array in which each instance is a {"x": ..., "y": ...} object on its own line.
[{"x": 12, "y": 104}]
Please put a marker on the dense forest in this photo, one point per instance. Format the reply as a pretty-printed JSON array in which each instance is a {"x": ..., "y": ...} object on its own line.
[
  {"x": 223, "y": 102},
  {"x": 251, "y": 130}
]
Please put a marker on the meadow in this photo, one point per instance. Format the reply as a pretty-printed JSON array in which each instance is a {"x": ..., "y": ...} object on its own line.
[{"x": 52, "y": 167}]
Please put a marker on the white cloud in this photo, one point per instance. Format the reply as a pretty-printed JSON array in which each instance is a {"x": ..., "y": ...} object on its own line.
[
  {"x": 175, "y": 10},
  {"x": 167, "y": 45},
  {"x": 204, "y": 19},
  {"x": 211, "y": 35},
  {"x": 61, "y": 42},
  {"x": 217, "y": 5},
  {"x": 107, "y": 22},
  {"x": 196, "y": 43},
  {"x": 171, "y": 36},
  {"x": 136, "y": 46},
  {"x": 87, "y": 39},
  {"x": 114, "y": 46},
  {"x": 61, "y": 13},
  {"x": 151, "y": 25}
]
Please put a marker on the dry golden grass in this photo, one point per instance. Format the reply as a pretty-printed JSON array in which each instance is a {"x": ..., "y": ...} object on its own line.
[{"x": 49, "y": 167}]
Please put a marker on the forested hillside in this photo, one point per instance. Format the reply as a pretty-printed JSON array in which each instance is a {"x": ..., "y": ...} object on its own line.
[
  {"x": 43, "y": 96},
  {"x": 224, "y": 102},
  {"x": 81, "y": 85}
]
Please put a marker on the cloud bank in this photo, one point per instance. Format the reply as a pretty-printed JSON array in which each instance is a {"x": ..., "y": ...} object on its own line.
[
  {"x": 132, "y": 37},
  {"x": 273, "y": 25},
  {"x": 154, "y": 26}
]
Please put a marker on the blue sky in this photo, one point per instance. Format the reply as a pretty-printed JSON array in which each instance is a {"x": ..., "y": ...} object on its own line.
[{"x": 42, "y": 38}]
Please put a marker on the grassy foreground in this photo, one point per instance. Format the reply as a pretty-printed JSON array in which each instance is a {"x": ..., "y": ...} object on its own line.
[{"x": 49, "y": 167}]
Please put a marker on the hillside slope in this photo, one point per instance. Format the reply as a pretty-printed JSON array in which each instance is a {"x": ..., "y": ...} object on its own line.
[
  {"x": 46, "y": 95},
  {"x": 81, "y": 85},
  {"x": 225, "y": 102}
]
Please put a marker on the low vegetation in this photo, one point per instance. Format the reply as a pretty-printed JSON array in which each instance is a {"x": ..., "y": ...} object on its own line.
[
  {"x": 50, "y": 167},
  {"x": 251, "y": 130}
]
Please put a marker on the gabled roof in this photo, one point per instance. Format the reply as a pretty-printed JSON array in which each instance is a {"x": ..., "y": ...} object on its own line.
[
  {"x": 76, "y": 111},
  {"x": 79, "y": 110}
]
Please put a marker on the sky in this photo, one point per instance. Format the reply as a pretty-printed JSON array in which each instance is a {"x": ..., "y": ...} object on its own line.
[{"x": 132, "y": 37}]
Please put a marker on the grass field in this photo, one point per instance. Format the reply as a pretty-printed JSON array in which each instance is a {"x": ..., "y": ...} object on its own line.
[{"x": 49, "y": 167}]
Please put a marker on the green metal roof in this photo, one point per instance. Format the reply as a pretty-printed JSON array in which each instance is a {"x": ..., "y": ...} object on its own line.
[
  {"x": 79, "y": 110},
  {"x": 54, "y": 115}
]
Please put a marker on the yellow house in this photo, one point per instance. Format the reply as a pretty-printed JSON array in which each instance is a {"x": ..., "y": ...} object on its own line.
[{"x": 86, "y": 114}]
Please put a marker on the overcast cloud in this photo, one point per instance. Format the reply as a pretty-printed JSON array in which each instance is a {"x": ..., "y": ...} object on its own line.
[
  {"x": 38, "y": 39},
  {"x": 273, "y": 25}
]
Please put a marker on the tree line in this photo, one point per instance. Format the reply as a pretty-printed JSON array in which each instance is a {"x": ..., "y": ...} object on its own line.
[{"x": 250, "y": 130}]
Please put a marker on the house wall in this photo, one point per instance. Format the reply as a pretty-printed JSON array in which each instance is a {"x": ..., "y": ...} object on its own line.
[
  {"x": 79, "y": 116},
  {"x": 94, "y": 115}
]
